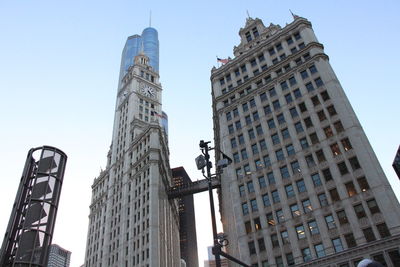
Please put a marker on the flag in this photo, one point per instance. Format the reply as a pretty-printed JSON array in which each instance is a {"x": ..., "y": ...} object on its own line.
[{"x": 222, "y": 60}]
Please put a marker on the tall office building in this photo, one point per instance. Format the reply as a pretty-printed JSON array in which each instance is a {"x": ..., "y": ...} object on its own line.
[
  {"x": 58, "y": 257},
  {"x": 187, "y": 220},
  {"x": 305, "y": 187},
  {"x": 132, "y": 222}
]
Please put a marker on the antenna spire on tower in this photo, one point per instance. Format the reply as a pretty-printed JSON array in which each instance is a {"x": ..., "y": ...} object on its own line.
[{"x": 248, "y": 15}]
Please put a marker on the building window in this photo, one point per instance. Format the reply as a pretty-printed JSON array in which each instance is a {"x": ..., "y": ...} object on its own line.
[
  {"x": 271, "y": 124},
  {"x": 327, "y": 174},
  {"x": 271, "y": 51},
  {"x": 289, "y": 191},
  {"x": 251, "y": 134},
  {"x": 259, "y": 130},
  {"x": 280, "y": 118},
  {"x": 355, "y": 165},
  {"x": 342, "y": 168},
  {"x": 290, "y": 150},
  {"x": 351, "y": 190},
  {"x": 394, "y": 256},
  {"x": 253, "y": 204},
  {"x": 288, "y": 98},
  {"x": 257, "y": 224},
  {"x": 335, "y": 149},
  {"x": 381, "y": 259},
  {"x": 267, "y": 161},
  {"x": 228, "y": 116},
  {"x": 241, "y": 139},
  {"x": 293, "y": 112},
  {"x": 238, "y": 125},
  {"x": 323, "y": 200},
  {"x": 272, "y": 92},
  {"x": 261, "y": 244},
  {"x": 285, "y": 237},
  {"x": 247, "y": 226},
  {"x": 313, "y": 227},
  {"x": 258, "y": 164},
  {"x": 295, "y": 167},
  {"x": 247, "y": 169},
  {"x": 373, "y": 206},
  {"x": 230, "y": 129},
  {"x": 279, "y": 154},
  {"x": 362, "y": 182},
  {"x": 308, "y": 122},
  {"x": 302, "y": 107},
  {"x": 270, "y": 219},
  {"x": 369, "y": 234},
  {"x": 319, "y": 250},
  {"x": 337, "y": 244},
  {"x": 320, "y": 156},
  {"x": 298, "y": 127},
  {"x": 325, "y": 96},
  {"x": 321, "y": 115},
  {"x": 330, "y": 222},
  {"x": 342, "y": 217},
  {"x": 310, "y": 87},
  {"x": 334, "y": 195},
  {"x": 338, "y": 126},
  {"x": 331, "y": 110},
  {"x": 261, "y": 182},
  {"x": 310, "y": 161},
  {"x": 276, "y": 104},
  {"x": 243, "y": 152},
  {"x": 255, "y": 116},
  {"x": 284, "y": 172},
  {"x": 301, "y": 186},
  {"x": 295, "y": 210},
  {"x": 306, "y": 253},
  {"x": 248, "y": 119},
  {"x": 242, "y": 191},
  {"x": 350, "y": 240},
  {"x": 252, "y": 103},
  {"x": 245, "y": 107},
  {"x": 318, "y": 82},
  {"x": 297, "y": 93},
  {"x": 275, "y": 196},
  {"x": 236, "y": 158},
  {"x": 235, "y": 112},
  {"x": 316, "y": 179},
  {"x": 383, "y": 230},
  {"x": 300, "y": 232},
  {"x": 250, "y": 187},
  {"x": 307, "y": 206},
  {"x": 280, "y": 216},
  {"x": 292, "y": 81},
  {"x": 304, "y": 143},
  {"x": 266, "y": 200},
  {"x": 274, "y": 240},
  {"x": 245, "y": 208},
  {"x": 346, "y": 144},
  {"x": 263, "y": 145},
  {"x": 285, "y": 133},
  {"x": 359, "y": 210},
  {"x": 275, "y": 139},
  {"x": 233, "y": 143},
  {"x": 328, "y": 131},
  {"x": 304, "y": 74},
  {"x": 254, "y": 149},
  {"x": 252, "y": 248}
]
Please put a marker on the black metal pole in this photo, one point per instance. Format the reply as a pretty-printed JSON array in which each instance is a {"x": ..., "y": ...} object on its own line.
[{"x": 210, "y": 192}]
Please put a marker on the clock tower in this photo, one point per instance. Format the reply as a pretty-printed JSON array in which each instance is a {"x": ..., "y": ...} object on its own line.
[{"x": 132, "y": 221}]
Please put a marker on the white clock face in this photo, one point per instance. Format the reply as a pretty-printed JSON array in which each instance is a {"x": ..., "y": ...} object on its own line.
[{"x": 148, "y": 91}]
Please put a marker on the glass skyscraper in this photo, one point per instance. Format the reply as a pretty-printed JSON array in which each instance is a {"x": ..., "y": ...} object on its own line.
[{"x": 148, "y": 41}]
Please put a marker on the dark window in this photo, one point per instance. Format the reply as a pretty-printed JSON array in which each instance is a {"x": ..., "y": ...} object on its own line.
[
  {"x": 373, "y": 206},
  {"x": 331, "y": 110},
  {"x": 251, "y": 134},
  {"x": 248, "y": 119},
  {"x": 310, "y": 87},
  {"x": 275, "y": 139},
  {"x": 252, "y": 102},
  {"x": 288, "y": 98},
  {"x": 334, "y": 195},
  {"x": 321, "y": 115},
  {"x": 350, "y": 240},
  {"x": 369, "y": 234},
  {"x": 301, "y": 45},
  {"x": 297, "y": 36},
  {"x": 253, "y": 62},
  {"x": 255, "y": 116},
  {"x": 383, "y": 230},
  {"x": 381, "y": 259},
  {"x": 261, "y": 58},
  {"x": 233, "y": 142},
  {"x": 298, "y": 61},
  {"x": 293, "y": 112},
  {"x": 261, "y": 244},
  {"x": 263, "y": 97},
  {"x": 245, "y": 208},
  {"x": 261, "y": 182},
  {"x": 274, "y": 240},
  {"x": 221, "y": 81},
  {"x": 313, "y": 69},
  {"x": 342, "y": 217},
  {"x": 263, "y": 144},
  {"x": 338, "y": 126},
  {"x": 230, "y": 128},
  {"x": 282, "y": 56},
  {"x": 238, "y": 125},
  {"x": 236, "y": 157},
  {"x": 228, "y": 116},
  {"x": 271, "y": 51},
  {"x": 257, "y": 224},
  {"x": 248, "y": 38},
  {"x": 245, "y": 107},
  {"x": 328, "y": 131},
  {"x": 280, "y": 118},
  {"x": 235, "y": 112},
  {"x": 275, "y": 196},
  {"x": 292, "y": 81},
  {"x": 247, "y": 225},
  {"x": 241, "y": 191},
  {"x": 243, "y": 68},
  {"x": 290, "y": 150},
  {"x": 284, "y": 85},
  {"x": 267, "y": 161},
  {"x": 335, "y": 149},
  {"x": 279, "y": 154},
  {"x": 241, "y": 139},
  {"x": 325, "y": 95},
  {"x": 250, "y": 187},
  {"x": 259, "y": 130},
  {"x": 304, "y": 74},
  {"x": 359, "y": 210},
  {"x": 276, "y": 104},
  {"x": 270, "y": 219},
  {"x": 302, "y": 107},
  {"x": 318, "y": 82},
  {"x": 320, "y": 156},
  {"x": 267, "y": 110},
  {"x": 327, "y": 174},
  {"x": 271, "y": 123},
  {"x": 289, "y": 41},
  {"x": 354, "y": 163},
  {"x": 254, "y": 149},
  {"x": 297, "y": 93},
  {"x": 346, "y": 144},
  {"x": 272, "y": 92},
  {"x": 304, "y": 143},
  {"x": 295, "y": 166},
  {"x": 279, "y": 47},
  {"x": 342, "y": 168},
  {"x": 244, "y": 154},
  {"x": 308, "y": 122},
  {"x": 252, "y": 248},
  {"x": 394, "y": 256}
]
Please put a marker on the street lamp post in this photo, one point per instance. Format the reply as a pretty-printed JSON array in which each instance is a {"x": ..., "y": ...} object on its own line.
[{"x": 203, "y": 161}]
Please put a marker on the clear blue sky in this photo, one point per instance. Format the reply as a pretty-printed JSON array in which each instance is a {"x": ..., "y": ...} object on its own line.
[{"x": 59, "y": 63}]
